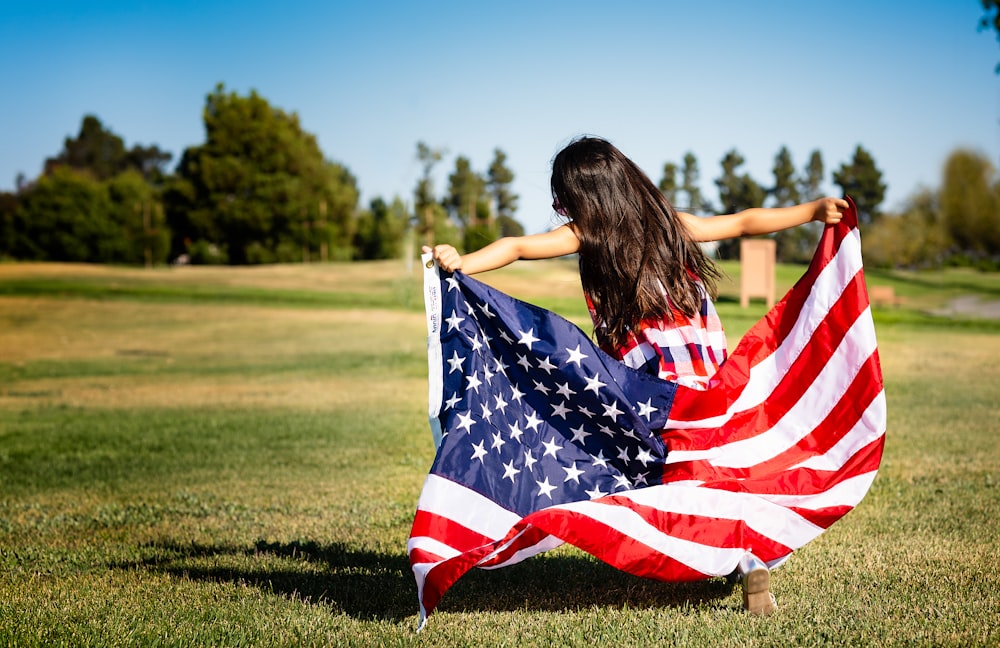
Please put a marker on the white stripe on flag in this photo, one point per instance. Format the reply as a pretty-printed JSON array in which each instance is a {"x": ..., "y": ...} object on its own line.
[
  {"x": 431, "y": 545},
  {"x": 466, "y": 507},
  {"x": 547, "y": 543},
  {"x": 869, "y": 427},
  {"x": 765, "y": 376},
  {"x": 847, "y": 493},
  {"x": 825, "y": 292},
  {"x": 768, "y": 519},
  {"x": 709, "y": 560},
  {"x": 805, "y": 415},
  {"x": 812, "y": 408}
]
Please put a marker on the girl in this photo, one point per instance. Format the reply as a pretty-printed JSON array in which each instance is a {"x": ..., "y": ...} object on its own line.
[{"x": 648, "y": 284}]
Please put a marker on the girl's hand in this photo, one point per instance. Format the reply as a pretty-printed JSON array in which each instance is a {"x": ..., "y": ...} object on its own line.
[
  {"x": 446, "y": 256},
  {"x": 830, "y": 210}
]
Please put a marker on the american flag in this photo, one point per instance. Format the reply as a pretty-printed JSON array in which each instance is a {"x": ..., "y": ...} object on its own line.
[{"x": 543, "y": 439}]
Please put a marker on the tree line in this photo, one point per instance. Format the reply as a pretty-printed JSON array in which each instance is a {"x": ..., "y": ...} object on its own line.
[
  {"x": 860, "y": 178},
  {"x": 260, "y": 190}
]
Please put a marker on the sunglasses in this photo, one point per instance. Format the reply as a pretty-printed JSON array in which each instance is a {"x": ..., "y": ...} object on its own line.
[{"x": 559, "y": 209}]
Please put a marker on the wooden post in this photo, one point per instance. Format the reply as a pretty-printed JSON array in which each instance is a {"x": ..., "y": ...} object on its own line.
[
  {"x": 757, "y": 258},
  {"x": 147, "y": 233},
  {"x": 305, "y": 240},
  {"x": 324, "y": 236}
]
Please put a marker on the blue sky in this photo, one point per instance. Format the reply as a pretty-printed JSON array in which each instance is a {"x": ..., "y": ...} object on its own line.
[{"x": 909, "y": 81}]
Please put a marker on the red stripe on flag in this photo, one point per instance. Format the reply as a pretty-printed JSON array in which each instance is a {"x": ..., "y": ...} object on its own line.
[
  {"x": 440, "y": 577},
  {"x": 824, "y": 517},
  {"x": 848, "y": 411},
  {"x": 420, "y": 556},
  {"x": 619, "y": 549},
  {"x": 798, "y": 381},
  {"x": 760, "y": 342},
  {"x": 527, "y": 536},
  {"x": 612, "y": 546},
  {"x": 436, "y": 526}
]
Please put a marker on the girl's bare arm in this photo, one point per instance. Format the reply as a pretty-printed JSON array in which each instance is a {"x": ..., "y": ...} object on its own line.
[
  {"x": 764, "y": 220},
  {"x": 504, "y": 251}
]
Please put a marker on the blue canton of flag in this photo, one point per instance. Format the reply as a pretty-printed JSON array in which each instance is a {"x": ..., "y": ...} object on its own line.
[{"x": 544, "y": 417}]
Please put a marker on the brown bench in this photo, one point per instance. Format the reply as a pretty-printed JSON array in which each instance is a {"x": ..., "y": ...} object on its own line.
[{"x": 882, "y": 296}]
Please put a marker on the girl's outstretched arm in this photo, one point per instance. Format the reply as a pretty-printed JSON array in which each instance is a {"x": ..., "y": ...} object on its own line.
[
  {"x": 504, "y": 251},
  {"x": 764, "y": 220}
]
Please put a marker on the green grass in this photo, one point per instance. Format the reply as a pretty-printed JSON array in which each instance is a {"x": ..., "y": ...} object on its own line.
[
  {"x": 219, "y": 286},
  {"x": 242, "y": 469}
]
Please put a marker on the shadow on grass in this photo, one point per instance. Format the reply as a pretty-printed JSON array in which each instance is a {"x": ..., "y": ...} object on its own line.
[{"x": 380, "y": 586}]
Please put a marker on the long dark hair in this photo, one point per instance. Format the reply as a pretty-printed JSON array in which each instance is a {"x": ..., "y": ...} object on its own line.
[{"x": 633, "y": 246}]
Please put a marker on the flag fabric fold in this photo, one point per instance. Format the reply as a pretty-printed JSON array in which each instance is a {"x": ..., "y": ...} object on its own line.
[{"x": 543, "y": 439}]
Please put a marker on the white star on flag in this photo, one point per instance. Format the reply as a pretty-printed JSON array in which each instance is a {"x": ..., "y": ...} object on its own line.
[{"x": 527, "y": 338}]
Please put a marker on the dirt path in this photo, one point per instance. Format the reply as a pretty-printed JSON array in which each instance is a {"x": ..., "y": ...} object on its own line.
[{"x": 971, "y": 306}]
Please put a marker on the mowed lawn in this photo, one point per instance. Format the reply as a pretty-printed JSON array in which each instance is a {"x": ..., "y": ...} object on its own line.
[{"x": 232, "y": 456}]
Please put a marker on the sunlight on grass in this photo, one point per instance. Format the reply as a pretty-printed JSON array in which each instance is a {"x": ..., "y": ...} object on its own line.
[{"x": 242, "y": 469}]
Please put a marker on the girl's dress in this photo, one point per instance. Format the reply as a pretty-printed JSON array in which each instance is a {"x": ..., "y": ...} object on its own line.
[{"x": 678, "y": 348}]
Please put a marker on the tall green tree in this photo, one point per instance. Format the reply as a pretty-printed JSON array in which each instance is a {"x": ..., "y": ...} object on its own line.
[
  {"x": 67, "y": 217},
  {"x": 499, "y": 181},
  {"x": 668, "y": 183},
  {"x": 915, "y": 238},
  {"x": 9, "y": 205},
  {"x": 428, "y": 214},
  {"x": 737, "y": 191},
  {"x": 959, "y": 223},
  {"x": 970, "y": 204},
  {"x": 811, "y": 180},
  {"x": 468, "y": 203},
  {"x": 94, "y": 149},
  {"x": 862, "y": 180},
  {"x": 785, "y": 191},
  {"x": 466, "y": 197},
  {"x": 991, "y": 20},
  {"x": 795, "y": 244},
  {"x": 259, "y": 189},
  {"x": 690, "y": 177},
  {"x": 102, "y": 153},
  {"x": 96, "y": 201},
  {"x": 380, "y": 230},
  {"x": 509, "y": 226},
  {"x": 150, "y": 162},
  {"x": 137, "y": 212}
]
